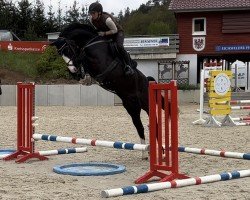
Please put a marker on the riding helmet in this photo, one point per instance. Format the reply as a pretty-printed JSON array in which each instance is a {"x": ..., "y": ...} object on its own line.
[{"x": 95, "y": 7}]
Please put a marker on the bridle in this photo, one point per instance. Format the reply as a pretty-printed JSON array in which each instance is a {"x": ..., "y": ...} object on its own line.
[
  {"x": 67, "y": 45},
  {"x": 82, "y": 52}
]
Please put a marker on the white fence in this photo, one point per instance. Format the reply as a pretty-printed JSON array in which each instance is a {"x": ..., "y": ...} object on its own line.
[
  {"x": 61, "y": 95},
  {"x": 79, "y": 95}
]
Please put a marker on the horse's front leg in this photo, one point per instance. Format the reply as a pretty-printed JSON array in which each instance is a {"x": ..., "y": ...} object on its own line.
[
  {"x": 134, "y": 111},
  {"x": 140, "y": 130}
]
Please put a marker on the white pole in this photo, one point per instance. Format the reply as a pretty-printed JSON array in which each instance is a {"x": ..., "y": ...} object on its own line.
[
  {"x": 174, "y": 184},
  {"x": 248, "y": 77},
  {"x": 201, "y": 121},
  {"x": 62, "y": 151},
  {"x": 92, "y": 142}
]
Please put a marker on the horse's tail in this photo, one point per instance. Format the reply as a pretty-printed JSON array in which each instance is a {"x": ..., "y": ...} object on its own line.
[{"x": 150, "y": 78}]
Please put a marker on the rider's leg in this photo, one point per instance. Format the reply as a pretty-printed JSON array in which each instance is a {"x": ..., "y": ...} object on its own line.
[{"x": 124, "y": 54}]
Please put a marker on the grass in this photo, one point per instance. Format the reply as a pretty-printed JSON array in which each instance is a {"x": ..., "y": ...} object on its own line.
[{"x": 23, "y": 62}]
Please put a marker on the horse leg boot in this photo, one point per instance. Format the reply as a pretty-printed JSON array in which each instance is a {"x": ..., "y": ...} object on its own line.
[{"x": 126, "y": 58}]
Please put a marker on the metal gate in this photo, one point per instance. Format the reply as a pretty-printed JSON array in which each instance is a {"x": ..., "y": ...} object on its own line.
[{"x": 173, "y": 70}]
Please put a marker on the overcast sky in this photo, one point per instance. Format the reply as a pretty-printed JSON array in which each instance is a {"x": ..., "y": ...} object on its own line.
[{"x": 108, "y": 5}]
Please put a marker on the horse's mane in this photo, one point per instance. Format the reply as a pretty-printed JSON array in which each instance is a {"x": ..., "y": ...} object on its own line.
[{"x": 71, "y": 27}]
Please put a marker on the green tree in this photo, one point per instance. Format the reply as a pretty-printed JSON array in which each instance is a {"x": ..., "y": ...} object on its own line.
[
  {"x": 120, "y": 16},
  {"x": 84, "y": 15},
  {"x": 158, "y": 28},
  {"x": 39, "y": 20},
  {"x": 59, "y": 17},
  {"x": 73, "y": 14},
  {"x": 25, "y": 16},
  {"x": 30, "y": 34},
  {"x": 148, "y": 20},
  {"x": 51, "y": 24},
  {"x": 126, "y": 13},
  {"x": 8, "y": 15}
]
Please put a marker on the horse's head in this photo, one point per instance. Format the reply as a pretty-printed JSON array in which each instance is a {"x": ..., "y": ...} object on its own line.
[
  {"x": 69, "y": 52},
  {"x": 71, "y": 43}
]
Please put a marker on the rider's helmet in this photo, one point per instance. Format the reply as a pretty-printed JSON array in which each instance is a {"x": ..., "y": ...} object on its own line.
[{"x": 95, "y": 7}]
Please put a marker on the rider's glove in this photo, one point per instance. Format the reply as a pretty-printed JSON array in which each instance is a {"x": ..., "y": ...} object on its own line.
[{"x": 101, "y": 33}]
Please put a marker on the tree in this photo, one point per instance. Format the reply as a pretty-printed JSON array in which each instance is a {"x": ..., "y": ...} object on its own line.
[
  {"x": 59, "y": 18},
  {"x": 8, "y": 15},
  {"x": 120, "y": 16},
  {"x": 141, "y": 22},
  {"x": 73, "y": 14},
  {"x": 39, "y": 20},
  {"x": 84, "y": 15},
  {"x": 127, "y": 13},
  {"x": 25, "y": 16},
  {"x": 51, "y": 24}
]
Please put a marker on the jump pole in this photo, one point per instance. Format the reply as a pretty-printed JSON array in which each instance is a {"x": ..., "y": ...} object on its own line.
[
  {"x": 139, "y": 147},
  {"x": 159, "y": 135},
  {"x": 201, "y": 121},
  {"x": 91, "y": 142},
  {"x": 50, "y": 153},
  {"x": 241, "y": 118},
  {"x": 163, "y": 131},
  {"x": 144, "y": 188},
  {"x": 226, "y": 154},
  {"x": 240, "y": 107},
  {"x": 234, "y": 102},
  {"x": 25, "y": 128}
]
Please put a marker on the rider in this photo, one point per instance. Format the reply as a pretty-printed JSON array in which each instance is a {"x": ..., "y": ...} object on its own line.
[{"x": 109, "y": 28}]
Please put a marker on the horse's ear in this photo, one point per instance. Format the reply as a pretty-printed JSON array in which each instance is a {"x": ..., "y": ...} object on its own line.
[
  {"x": 59, "y": 41},
  {"x": 52, "y": 43}
]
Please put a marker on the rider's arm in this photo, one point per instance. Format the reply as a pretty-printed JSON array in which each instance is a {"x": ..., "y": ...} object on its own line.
[{"x": 112, "y": 27}]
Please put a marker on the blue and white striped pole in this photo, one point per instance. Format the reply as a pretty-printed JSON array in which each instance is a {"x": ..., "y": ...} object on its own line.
[
  {"x": 210, "y": 152},
  {"x": 92, "y": 142},
  {"x": 62, "y": 151},
  {"x": 141, "y": 147},
  {"x": 174, "y": 184}
]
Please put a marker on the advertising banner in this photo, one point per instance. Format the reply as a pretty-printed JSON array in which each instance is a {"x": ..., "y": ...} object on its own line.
[
  {"x": 241, "y": 77},
  {"x": 146, "y": 42},
  {"x": 24, "y": 46}
]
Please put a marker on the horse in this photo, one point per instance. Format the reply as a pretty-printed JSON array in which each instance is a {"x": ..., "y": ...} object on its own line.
[{"x": 86, "y": 52}]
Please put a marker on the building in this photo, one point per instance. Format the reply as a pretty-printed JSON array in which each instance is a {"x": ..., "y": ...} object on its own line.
[
  {"x": 52, "y": 36},
  {"x": 6, "y": 35},
  {"x": 215, "y": 29}
]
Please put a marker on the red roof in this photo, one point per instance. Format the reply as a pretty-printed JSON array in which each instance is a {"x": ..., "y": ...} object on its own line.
[{"x": 208, "y": 5}]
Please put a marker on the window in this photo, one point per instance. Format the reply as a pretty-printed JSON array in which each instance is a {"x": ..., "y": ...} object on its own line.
[{"x": 199, "y": 26}]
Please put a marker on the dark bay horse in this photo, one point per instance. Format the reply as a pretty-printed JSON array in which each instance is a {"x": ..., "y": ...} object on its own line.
[{"x": 85, "y": 51}]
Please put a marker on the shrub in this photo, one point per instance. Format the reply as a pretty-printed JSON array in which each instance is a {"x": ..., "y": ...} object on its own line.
[
  {"x": 187, "y": 87},
  {"x": 51, "y": 65}
]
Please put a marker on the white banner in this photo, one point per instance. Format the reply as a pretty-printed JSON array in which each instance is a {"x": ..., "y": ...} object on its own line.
[
  {"x": 146, "y": 42},
  {"x": 241, "y": 74}
]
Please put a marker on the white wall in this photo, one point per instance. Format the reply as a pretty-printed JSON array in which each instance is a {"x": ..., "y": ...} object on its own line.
[
  {"x": 193, "y": 66},
  {"x": 61, "y": 95},
  {"x": 77, "y": 95},
  {"x": 148, "y": 67}
]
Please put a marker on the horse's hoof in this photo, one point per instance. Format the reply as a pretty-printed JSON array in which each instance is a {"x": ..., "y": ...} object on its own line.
[{"x": 144, "y": 158}]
